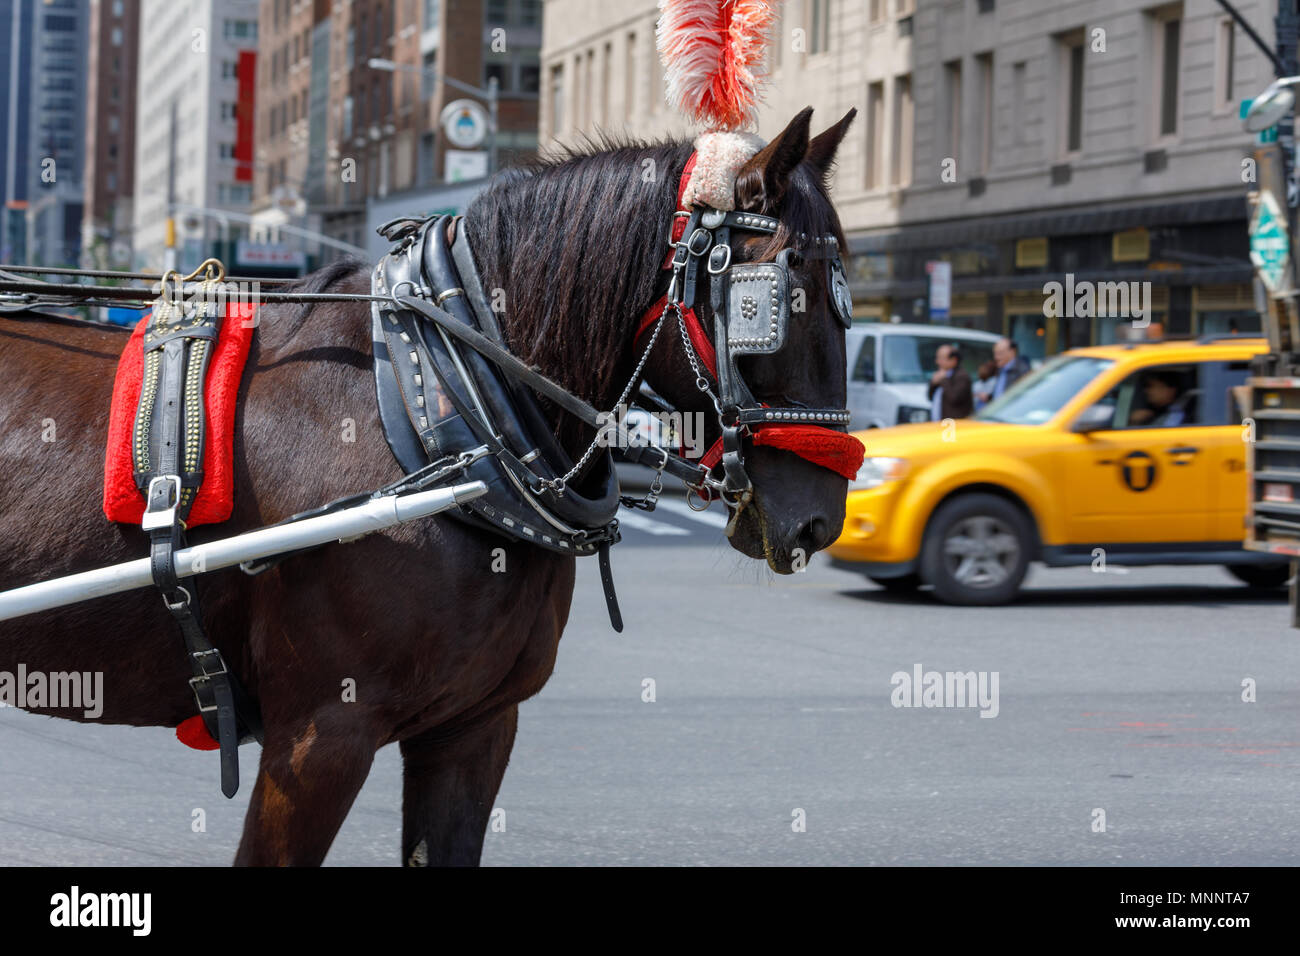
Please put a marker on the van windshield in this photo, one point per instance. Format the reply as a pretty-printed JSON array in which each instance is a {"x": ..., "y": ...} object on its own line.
[
  {"x": 909, "y": 359},
  {"x": 1042, "y": 393}
]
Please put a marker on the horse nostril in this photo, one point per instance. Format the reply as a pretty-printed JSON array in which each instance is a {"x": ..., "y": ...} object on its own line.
[{"x": 812, "y": 537}]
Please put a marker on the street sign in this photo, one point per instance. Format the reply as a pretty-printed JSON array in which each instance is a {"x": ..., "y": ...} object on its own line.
[
  {"x": 463, "y": 165},
  {"x": 465, "y": 122},
  {"x": 1270, "y": 245},
  {"x": 940, "y": 289}
]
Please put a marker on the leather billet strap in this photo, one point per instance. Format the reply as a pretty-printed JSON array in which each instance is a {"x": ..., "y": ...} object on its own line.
[{"x": 217, "y": 692}]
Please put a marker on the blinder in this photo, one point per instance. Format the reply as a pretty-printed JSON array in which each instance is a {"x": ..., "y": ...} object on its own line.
[{"x": 758, "y": 306}]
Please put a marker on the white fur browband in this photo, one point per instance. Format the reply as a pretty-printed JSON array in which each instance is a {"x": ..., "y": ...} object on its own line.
[{"x": 718, "y": 158}]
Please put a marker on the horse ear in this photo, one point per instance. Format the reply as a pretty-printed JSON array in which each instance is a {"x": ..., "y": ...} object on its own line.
[
  {"x": 821, "y": 151},
  {"x": 762, "y": 181}
]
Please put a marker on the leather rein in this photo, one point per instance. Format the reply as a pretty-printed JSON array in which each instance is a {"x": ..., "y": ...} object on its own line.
[{"x": 699, "y": 242}]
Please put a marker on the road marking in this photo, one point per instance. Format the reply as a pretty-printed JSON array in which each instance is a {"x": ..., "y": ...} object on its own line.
[
  {"x": 710, "y": 517},
  {"x": 631, "y": 519}
]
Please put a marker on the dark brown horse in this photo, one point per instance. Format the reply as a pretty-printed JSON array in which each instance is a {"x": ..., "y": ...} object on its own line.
[{"x": 442, "y": 650}]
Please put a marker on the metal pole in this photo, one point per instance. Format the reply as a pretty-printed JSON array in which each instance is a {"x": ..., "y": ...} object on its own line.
[
  {"x": 169, "y": 253},
  {"x": 345, "y": 525},
  {"x": 1286, "y": 24}
]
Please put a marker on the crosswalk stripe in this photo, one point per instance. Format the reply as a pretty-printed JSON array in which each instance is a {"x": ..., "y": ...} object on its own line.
[
  {"x": 640, "y": 522},
  {"x": 711, "y": 517}
]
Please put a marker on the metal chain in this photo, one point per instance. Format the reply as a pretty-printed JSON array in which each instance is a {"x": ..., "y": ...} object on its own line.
[
  {"x": 701, "y": 382},
  {"x": 557, "y": 485}
]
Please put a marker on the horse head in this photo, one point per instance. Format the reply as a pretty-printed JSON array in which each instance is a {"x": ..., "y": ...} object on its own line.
[{"x": 795, "y": 506}]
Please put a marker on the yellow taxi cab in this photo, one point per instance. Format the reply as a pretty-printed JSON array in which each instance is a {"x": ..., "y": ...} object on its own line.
[{"x": 1124, "y": 454}]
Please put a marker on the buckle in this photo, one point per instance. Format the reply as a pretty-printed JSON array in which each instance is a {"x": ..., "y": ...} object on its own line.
[
  {"x": 160, "y": 502},
  {"x": 206, "y": 676},
  {"x": 719, "y": 264},
  {"x": 672, "y": 226},
  {"x": 700, "y": 241}
]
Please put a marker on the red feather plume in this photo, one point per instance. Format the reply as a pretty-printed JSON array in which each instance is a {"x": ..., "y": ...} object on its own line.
[{"x": 712, "y": 52}]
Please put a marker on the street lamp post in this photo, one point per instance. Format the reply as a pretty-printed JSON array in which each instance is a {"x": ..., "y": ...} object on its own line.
[{"x": 491, "y": 96}]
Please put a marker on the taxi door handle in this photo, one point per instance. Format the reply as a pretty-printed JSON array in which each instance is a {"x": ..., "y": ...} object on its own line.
[{"x": 1182, "y": 450}]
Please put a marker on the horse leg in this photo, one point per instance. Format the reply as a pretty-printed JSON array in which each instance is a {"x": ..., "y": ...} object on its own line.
[
  {"x": 306, "y": 783},
  {"x": 448, "y": 784}
]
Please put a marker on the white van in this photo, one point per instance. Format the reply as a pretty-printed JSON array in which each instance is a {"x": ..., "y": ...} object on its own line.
[{"x": 890, "y": 365}]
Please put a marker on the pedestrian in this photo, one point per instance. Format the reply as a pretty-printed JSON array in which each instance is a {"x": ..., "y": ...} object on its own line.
[
  {"x": 1011, "y": 365},
  {"x": 950, "y": 387}
]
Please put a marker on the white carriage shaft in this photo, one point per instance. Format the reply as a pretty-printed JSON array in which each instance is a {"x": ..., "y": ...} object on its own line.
[{"x": 343, "y": 525}]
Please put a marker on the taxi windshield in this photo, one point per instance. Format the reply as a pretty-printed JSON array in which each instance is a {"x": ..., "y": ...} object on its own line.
[{"x": 1042, "y": 393}]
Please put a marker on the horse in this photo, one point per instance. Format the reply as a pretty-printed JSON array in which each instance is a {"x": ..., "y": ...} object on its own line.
[{"x": 439, "y": 650}]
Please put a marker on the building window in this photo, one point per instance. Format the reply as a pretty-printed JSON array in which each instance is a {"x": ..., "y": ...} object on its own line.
[
  {"x": 530, "y": 13},
  {"x": 240, "y": 29},
  {"x": 496, "y": 12},
  {"x": 530, "y": 75},
  {"x": 430, "y": 75},
  {"x": 117, "y": 8},
  {"x": 1018, "y": 104},
  {"x": 875, "y": 135},
  {"x": 629, "y": 77},
  {"x": 984, "y": 71},
  {"x": 819, "y": 39},
  {"x": 1072, "y": 140},
  {"x": 498, "y": 72},
  {"x": 557, "y": 99},
  {"x": 1226, "y": 54},
  {"x": 1170, "y": 37},
  {"x": 952, "y": 109},
  {"x": 877, "y": 11},
  {"x": 115, "y": 37},
  {"x": 902, "y": 132}
]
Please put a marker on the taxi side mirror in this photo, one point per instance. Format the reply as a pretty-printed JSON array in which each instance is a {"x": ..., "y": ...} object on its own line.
[{"x": 1094, "y": 418}]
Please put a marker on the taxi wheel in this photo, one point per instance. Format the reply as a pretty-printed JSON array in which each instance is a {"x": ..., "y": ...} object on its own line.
[
  {"x": 1261, "y": 575},
  {"x": 976, "y": 550}
]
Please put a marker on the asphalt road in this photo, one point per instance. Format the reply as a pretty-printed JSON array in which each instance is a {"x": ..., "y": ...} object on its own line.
[{"x": 1118, "y": 692}]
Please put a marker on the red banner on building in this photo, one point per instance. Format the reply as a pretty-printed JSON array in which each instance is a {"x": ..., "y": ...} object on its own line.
[{"x": 245, "y": 113}]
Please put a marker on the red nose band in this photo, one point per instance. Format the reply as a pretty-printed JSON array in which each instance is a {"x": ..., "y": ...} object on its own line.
[{"x": 837, "y": 451}]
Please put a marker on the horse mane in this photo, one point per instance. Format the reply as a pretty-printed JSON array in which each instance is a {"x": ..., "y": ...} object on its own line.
[{"x": 576, "y": 241}]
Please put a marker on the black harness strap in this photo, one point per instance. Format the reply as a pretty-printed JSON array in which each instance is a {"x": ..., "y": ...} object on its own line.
[{"x": 168, "y": 459}]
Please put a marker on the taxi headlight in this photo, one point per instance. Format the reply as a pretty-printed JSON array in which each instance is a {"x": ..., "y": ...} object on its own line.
[{"x": 876, "y": 471}]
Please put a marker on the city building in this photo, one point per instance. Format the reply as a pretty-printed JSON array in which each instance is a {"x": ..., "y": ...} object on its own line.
[
  {"x": 113, "y": 36},
  {"x": 56, "y": 157},
  {"x": 350, "y": 99},
  {"x": 195, "y": 106},
  {"x": 1017, "y": 140}
]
